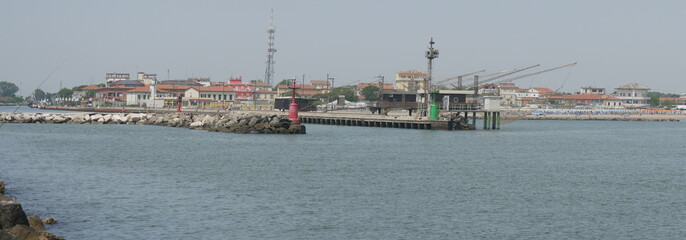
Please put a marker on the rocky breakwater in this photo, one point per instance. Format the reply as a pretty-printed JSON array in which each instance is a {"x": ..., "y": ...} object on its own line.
[
  {"x": 236, "y": 122},
  {"x": 14, "y": 225}
]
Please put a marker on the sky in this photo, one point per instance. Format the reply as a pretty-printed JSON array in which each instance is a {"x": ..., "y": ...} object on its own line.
[{"x": 613, "y": 42}]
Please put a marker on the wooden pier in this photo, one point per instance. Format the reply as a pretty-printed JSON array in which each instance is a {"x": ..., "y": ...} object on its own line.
[{"x": 383, "y": 123}]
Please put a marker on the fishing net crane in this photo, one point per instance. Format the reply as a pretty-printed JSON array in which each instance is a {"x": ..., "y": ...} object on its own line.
[
  {"x": 535, "y": 73},
  {"x": 459, "y": 78}
]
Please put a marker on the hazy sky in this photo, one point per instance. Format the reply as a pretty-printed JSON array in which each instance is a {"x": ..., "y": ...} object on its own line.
[{"x": 614, "y": 42}]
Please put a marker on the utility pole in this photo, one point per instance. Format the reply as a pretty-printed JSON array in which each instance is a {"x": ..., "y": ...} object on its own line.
[
  {"x": 431, "y": 53},
  {"x": 381, "y": 84}
]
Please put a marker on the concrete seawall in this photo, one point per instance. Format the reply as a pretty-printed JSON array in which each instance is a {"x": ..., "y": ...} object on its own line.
[{"x": 236, "y": 122}]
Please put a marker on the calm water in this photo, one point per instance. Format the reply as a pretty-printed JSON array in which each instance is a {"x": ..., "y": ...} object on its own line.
[{"x": 530, "y": 180}]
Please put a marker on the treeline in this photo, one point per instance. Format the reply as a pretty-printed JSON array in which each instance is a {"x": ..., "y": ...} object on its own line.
[{"x": 8, "y": 93}]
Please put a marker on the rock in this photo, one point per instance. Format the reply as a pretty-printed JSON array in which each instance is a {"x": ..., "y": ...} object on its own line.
[
  {"x": 259, "y": 126},
  {"x": 243, "y": 122},
  {"x": 5, "y": 198},
  {"x": 242, "y": 130},
  {"x": 282, "y": 131},
  {"x": 49, "y": 220},
  {"x": 36, "y": 223},
  {"x": 207, "y": 120},
  {"x": 26, "y": 233},
  {"x": 116, "y": 119},
  {"x": 196, "y": 124},
  {"x": 11, "y": 214},
  {"x": 106, "y": 118},
  {"x": 2, "y": 187},
  {"x": 7, "y": 236},
  {"x": 253, "y": 121}
]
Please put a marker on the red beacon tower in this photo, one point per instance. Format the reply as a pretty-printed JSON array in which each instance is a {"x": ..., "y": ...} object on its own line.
[{"x": 293, "y": 107}]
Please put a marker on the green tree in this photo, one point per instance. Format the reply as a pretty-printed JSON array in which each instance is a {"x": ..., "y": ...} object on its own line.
[
  {"x": 283, "y": 82},
  {"x": 8, "y": 89},
  {"x": 78, "y": 88},
  {"x": 347, "y": 91},
  {"x": 655, "y": 97},
  {"x": 370, "y": 93},
  {"x": 65, "y": 93},
  {"x": 90, "y": 93},
  {"x": 101, "y": 85},
  {"x": 39, "y": 95}
]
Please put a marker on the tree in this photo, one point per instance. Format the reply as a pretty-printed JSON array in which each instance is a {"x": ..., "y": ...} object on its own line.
[
  {"x": 90, "y": 93},
  {"x": 8, "y": 89},
  {"x": 78, "y": 88},
  {"x": 370, "y": 92},
  {"x": 348, "y": 92},
  {"x": 283, "y": 82},
  {"x": 655, "y": 97},
  {"x": 39, "y": 95},
  {"x": 65, "y": 93}
]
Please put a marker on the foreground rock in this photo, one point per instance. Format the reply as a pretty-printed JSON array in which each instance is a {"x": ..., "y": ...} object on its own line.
[
  {"x": 236, "y": 122},
  {"x": 14, "y": 225}
]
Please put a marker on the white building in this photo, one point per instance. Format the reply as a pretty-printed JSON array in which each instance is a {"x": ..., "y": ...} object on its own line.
[
  {"x": 592, "y": 90},
  {"x": 633, "y": 95},
  {"x": 115, "y": 77},
  {"x": 146, "y": 78},
  {"x": 410, "y": 81}
]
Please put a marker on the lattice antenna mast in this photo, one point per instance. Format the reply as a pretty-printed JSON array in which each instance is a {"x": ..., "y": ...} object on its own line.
[
  {"x": 431, "y": 53},
  {"x": 269, "y": 71}
]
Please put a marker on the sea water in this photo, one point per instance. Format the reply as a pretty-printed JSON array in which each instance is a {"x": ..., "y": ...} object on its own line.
[{"x": 529, "y": 180}]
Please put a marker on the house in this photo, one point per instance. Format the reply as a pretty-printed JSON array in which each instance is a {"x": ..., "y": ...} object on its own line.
[
  {"x": 542, "y": 92},
  {"x": 213, "y": 96},
  {"x": 244, "y": 91},
  {"x": 360, "y": 86},
  {"x": 633, "y": 95},
  {"x": 127, "y": 83},
  {"x": 593, "y": 100},
  {"x": 592, "y": 90},
  {"x": 115, "y": 77},
  {"x": 142, "y": 96},
  {"x": 410, "y": 81},
  {"x": 673, "y": 100},
  {"x": 146, "y": 78},
  {"x": 303, "y": 90},
  {"x": 508, "y": 92},
  {"x": 320, "y": 84}
]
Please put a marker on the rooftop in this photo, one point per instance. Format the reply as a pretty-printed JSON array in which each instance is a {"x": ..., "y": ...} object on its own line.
[{"x": 633, "y": 86}]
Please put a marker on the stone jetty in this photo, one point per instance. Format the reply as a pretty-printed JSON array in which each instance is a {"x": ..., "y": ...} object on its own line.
[
  {"x": 14, "y": 225},
  {"x": 236, "y": 122}
]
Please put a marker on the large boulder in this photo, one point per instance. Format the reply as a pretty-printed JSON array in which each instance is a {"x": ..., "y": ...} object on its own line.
[
  {"x": 11, "y": 214},
  {"x": 36, "y": 223},
  {"x": 7, "y": 236},
  {"x": 27, "y": 233},
  {"x": 5, "y": 198},
  {"x": 196, "y": 125}
]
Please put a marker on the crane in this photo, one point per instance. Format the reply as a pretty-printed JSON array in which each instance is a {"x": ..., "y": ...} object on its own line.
[
  {"x": 459, "y": 80},
  {"x": 501, "y": 75},
  {"x": 536, "y": 73},
  {"x": 458, "y": 77}
]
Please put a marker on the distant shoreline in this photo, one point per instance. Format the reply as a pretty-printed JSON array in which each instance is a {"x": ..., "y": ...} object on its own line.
[
  {"x": 504, "y": 115},
  {"x": 599, "y": 117}
]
